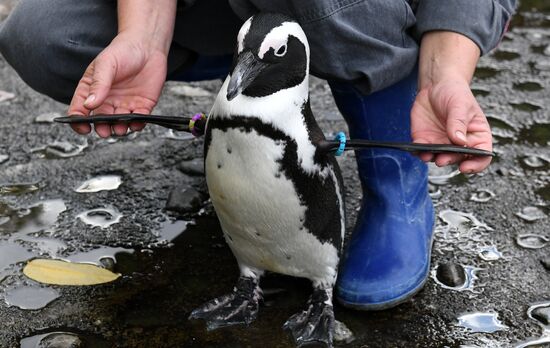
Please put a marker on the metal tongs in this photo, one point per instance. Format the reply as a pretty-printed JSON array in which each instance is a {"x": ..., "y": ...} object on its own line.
[{"x": 197, "y": 126}]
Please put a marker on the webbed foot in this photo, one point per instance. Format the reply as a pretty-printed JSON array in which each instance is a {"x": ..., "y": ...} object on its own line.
[
  {"x": 315, "y": 326},
  {"x": 238, "y": 307}
]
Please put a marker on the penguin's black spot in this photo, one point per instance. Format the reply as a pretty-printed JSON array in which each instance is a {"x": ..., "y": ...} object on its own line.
[
  {"x": 229, "y": 150},
  {"x": 277, "y": 175},
  {"x": 318, "y": 194},
  {"x": 219, "y": 165},
  {"x": 288, "y": 257},
  {"x": 258, "y": 234}
]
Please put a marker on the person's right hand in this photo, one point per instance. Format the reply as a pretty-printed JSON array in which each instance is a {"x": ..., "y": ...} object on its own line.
[{"x": 126, "y": 77}]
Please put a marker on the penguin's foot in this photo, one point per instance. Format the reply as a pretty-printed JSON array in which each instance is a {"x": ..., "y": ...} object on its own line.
[
  {"x": 315, "y": 326},
  {"x": 238, "y": 307}
]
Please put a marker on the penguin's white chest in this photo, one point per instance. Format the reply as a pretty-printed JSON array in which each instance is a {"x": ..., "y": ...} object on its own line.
[{"x": 259, "y": 208}]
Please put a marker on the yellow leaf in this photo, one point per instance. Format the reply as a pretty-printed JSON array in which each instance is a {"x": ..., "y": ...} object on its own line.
[{"x": 66, "y": 273}]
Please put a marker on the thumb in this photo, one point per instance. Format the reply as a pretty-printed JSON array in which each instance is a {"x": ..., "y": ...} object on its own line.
[
  {"x": 104, "y": 72},
  {"x": 458, "y": 120}
]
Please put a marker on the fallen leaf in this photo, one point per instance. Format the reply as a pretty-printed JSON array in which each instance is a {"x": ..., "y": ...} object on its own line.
[{"x": 67, "y": 273}]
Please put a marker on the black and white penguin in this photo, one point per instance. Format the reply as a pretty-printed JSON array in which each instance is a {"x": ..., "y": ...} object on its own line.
[{"x": 277, "y": 195}]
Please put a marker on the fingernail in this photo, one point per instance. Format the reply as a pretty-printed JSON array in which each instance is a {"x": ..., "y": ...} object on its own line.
[
  {"x": 90, "y": 99},
  {"x": 460, "y": 136}
]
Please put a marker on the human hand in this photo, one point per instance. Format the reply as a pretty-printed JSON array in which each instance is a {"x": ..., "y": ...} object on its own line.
[
  {"x": 126, "y": 77},
  {"x": 447, "y": 112}
]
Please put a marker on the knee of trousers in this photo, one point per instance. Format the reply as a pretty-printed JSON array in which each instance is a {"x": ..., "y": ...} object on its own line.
[{"x": 40, "y": 51}]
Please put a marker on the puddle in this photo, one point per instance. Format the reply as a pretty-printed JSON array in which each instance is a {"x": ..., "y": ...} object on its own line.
[
  {"x": 486, "y": 72},
  {"x": 538, "y": 133},
  {"x": 531, "y": 214},
  {"x": 175, "y": 135},
  {"x": 30, "y": 297},
  {"x": 5, "y": 96},
  {"x": 342, "y": 333},
  {"x": 59, "y": 149},
  {"x": 489, "y": 253},
  {"x": 10, "y": 254},
  {"x": 544, "y": 192},
  {"x": 170, "y": 230},
  {"x": 480, "y": 91},
  {"x": 36, "y": 218},
  {"x": 448, "y": 175},
  {"x": 505, "y": 55},
  {"x": 531, "y": 241},
  {"x": 63, "y": 339},
  {"x": 100, "y": 183},
  {"x": 482, "y": 196},
  {"x": 525, "y": 106},
  {"x": 100, "y": 217},
  {"x": 46, "y": 117},
  {"x": 469, "y": 278},
  {"x": 528, "y": 86},
  {"x": 19, "y": 189},
  {"x": 4, "y": 158},
  {"x": 502, "y": 130},
  {"x": 533, "y": 161},
  {"x": 539, "y": 313},
  {"x": 95, "y": 256},
  {"x": 481, "y": 322},
  {"x": 461, "y": 221}
]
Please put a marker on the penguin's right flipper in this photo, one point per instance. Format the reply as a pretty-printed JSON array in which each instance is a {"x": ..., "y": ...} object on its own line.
[
  {"x": 239, "y": 307},
  {"x": 314, "y": 326}
]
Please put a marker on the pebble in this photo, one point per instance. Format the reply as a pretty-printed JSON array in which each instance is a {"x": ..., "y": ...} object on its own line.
[
  {"x": 451, "y": 274},
  {"x": 546, "y": 263},
  {"x": 184, "y": 200},
  {"x": 194, "y": 167},
  {"x": 4, "y": 158},
  {"x": 4, "y": 96}
]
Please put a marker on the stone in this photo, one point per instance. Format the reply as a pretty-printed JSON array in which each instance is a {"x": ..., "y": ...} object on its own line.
[
  {"x": 194, "y": 167},
  {"x": 61, "y": 340},
  {"x": 542, "y": 314},
  {"x": 451, "y": 274},
  {"x": 546, "y": 263},
  {"x": 184, "y": 200}
]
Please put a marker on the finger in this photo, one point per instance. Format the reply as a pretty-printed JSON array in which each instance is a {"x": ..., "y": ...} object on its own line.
[
  {"x": 458, "y": 119},
  {"x": 446, "y": 159},
  {"x": 120, "y": 128},
  {"x": 103, "y": 129},
  {"x": 138, "y": 126},
  {"x": 424, "y": 156},
  {"x": 475, "y": 164},
  {"x": 104, "y": 70},
  {"x": 76, "y": 106}
]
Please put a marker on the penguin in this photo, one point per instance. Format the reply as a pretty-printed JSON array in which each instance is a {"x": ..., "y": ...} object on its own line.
[{"x": 277, "y": 195}]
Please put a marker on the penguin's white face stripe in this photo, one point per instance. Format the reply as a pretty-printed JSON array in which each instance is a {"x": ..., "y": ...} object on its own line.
[
  {"x": 278, "y": 38},
  {"x": 242, "y": 34}
]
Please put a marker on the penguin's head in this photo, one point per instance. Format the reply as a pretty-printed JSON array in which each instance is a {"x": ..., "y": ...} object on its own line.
[{"x": 272, "y": 54}]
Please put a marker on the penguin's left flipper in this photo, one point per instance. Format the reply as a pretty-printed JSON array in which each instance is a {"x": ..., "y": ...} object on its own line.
[
  {"x": 314, "y": 326},
  {"x": 238, "y": 307}
]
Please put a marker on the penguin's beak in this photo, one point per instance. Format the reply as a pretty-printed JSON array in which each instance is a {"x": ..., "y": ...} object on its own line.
[{"x": 246, "y": 70}]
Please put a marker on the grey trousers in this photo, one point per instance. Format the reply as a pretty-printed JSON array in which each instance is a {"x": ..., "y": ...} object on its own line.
[{"x": 51, "y": 42}]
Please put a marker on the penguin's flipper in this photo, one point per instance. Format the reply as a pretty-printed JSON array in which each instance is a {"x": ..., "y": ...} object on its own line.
[
  {"x": 238, "y": 307},
  {"x": 316, "y": 324}
]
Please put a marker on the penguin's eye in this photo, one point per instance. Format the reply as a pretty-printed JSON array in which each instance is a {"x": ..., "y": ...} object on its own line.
[{"x": 281, "y": 51}]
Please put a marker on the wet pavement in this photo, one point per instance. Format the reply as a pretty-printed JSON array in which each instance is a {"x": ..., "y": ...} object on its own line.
[{"x": 86, "y": 199}]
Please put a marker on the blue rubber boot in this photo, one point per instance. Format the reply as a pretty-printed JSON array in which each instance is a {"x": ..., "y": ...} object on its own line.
[{"x": 388, "y": 257}]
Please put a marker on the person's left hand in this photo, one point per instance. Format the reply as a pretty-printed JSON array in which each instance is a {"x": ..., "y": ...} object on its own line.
[{"x": 448, "y": 113}]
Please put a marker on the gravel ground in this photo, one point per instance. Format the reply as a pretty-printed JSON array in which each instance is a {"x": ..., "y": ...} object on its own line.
[{"x": 167, "y": 273}]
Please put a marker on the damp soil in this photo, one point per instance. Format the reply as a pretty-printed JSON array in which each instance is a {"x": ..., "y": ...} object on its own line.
[{"x": 87, "y": 199}]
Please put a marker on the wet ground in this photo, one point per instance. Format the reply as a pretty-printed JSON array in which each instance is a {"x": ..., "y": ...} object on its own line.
[{"x": 103, "y": 201}]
